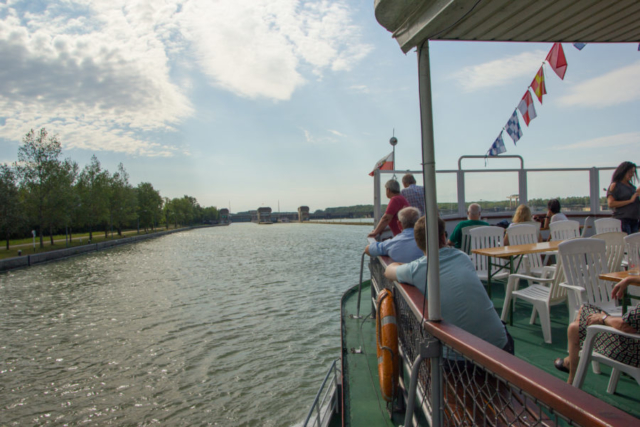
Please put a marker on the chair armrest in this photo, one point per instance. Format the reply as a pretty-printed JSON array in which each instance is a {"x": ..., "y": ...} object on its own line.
[
  {"x": 525, "y": 277},
  {"x": 578, "y": 289},
  {"x": 595, "y": 329}
]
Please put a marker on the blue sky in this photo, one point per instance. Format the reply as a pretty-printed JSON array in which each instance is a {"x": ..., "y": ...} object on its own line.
[{"x": 251, "y": 103}]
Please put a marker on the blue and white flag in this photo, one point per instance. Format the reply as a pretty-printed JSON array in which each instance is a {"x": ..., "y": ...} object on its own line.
[
  {"x": 497, "y": 147},
  {"x": 513, "y": 128},
  {"x": 579, "y": 46}
]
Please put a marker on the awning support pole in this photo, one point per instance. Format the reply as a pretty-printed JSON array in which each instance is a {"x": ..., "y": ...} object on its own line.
[{"x": 431, "y": 209}]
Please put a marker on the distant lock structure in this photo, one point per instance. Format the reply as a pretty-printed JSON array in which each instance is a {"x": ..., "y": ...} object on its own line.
[{"x": 303, "y": 213}]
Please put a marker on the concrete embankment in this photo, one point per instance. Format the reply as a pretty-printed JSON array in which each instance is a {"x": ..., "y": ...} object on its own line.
[
  {"x": 370, "y": 224},
  {"x": 29, "y": 260}
]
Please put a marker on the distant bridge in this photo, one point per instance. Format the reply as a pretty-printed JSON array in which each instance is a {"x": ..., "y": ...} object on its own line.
[{"x": 253, "y": 216}]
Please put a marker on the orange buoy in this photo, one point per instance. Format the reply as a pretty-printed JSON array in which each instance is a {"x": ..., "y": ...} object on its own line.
[{"x": 387, "y": 345}]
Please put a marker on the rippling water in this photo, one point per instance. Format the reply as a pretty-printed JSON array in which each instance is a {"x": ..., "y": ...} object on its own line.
[{"x": 221, "y": 326}]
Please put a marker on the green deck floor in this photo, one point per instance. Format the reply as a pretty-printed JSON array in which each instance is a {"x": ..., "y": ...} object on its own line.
[{"x": 366, "y": 407}]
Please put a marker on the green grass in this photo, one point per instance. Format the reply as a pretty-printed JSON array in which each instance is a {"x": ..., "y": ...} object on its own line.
[{"x": 26, "y": 245}]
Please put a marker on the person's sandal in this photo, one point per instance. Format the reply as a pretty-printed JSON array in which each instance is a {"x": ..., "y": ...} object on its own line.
[{"x": 559, "y": 364}]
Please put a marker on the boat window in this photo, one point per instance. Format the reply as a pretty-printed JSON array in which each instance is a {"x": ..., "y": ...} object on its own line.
[{"x": 570, "y": 187}]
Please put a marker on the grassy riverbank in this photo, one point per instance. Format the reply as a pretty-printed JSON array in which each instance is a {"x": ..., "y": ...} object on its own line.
[{"x": 26, "y": 245}]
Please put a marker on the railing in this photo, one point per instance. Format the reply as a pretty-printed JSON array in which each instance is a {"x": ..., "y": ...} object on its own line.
[
  {"x": 327, "y": 400},
  {"x": 482, "y": 384},
  {"x": 519, "y": 186}
]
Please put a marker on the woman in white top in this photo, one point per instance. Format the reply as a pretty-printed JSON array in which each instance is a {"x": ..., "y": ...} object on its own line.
[
  {"x": 521, "y": 216},
  {"x": 553, "y": 213}
]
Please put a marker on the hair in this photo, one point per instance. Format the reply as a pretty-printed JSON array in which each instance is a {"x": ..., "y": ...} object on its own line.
[
  {"x": 408, "y": 217},
  {"x": 621, "y": 171},
  {"x": 474, "y": 209},
  {"x": 420, "y": 233},
  {"x": 408, "y": 179},
  {"x": 393, "y": 186},
  {"x": 554, "y": 206},
  {"x": 522, "y": 214}
]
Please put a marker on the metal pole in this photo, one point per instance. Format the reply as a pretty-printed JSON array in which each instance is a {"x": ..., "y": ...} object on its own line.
[
  {"x": 429, "y": 172},
  {"x": 408, "y": 416}
]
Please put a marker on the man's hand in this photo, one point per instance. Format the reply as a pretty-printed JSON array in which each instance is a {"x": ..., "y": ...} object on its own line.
[{"x": 372, "y": 234}]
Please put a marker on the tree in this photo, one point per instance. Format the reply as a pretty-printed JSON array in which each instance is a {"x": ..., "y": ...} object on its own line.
[
  {"x": 149, "y": 205},
  {"x": 10, "y": 208},
  {"x": 122, "y": 199},
  {"x": 93, "y": 189},
  {"x": 58, "y": 212},
  {"x": 37, "y": 168}
]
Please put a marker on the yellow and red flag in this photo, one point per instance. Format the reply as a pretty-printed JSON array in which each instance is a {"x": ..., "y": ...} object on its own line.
[{"x": 538, "y": 86}]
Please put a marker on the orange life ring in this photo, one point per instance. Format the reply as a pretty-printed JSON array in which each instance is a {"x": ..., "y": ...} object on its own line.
[{"x": 387, "y": 345}]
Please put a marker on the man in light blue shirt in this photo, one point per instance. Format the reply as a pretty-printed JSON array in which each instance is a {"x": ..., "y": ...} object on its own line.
[
  {"x": 463, "y": 299},
  {"x": 403, "y": 247}
]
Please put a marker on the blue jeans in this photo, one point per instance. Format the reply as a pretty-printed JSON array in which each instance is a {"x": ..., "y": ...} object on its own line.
[{"x": 629, "y": 226}]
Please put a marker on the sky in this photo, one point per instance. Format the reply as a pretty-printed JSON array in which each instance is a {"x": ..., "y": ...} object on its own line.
[{"x": 250, "y": 103}]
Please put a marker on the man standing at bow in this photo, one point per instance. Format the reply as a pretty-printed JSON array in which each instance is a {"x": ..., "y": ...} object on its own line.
[{"x": 413, "y": 193}]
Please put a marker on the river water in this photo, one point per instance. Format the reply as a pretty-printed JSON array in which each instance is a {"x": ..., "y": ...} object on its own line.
[{"x": 229, "y": 326}]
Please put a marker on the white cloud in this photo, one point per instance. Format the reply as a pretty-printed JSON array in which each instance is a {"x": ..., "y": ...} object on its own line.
[
  {"x": 499, "y": 72},
  {"x": 321, "y": 140},
  {"x": 630, "y": 138},
  {"x": 335, "y": 132},
  {"x": 360, "y": 88},
  {"x": 257, "y": 48},
  {"x": 616, "y": 87},
  {"x": 114, "y": 75}
]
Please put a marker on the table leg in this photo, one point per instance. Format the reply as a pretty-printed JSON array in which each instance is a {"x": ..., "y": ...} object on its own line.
[
  {"x": 489, "y": 278},
  {"x": 510, "y": 299}
]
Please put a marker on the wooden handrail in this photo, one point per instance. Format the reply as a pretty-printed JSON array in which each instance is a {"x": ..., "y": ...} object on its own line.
[{"x": 565, "y": 399}]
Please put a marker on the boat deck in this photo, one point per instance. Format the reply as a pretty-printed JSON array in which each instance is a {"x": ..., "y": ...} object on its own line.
[{"x": 368, "y": 408}]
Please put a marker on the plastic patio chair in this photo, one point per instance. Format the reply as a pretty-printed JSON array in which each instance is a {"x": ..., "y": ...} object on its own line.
[
  {"x": 588, "y": 229},
  {"x": 563, "y": 230},
  {"x": 487, "y": 237},
  {"x": 632, "y": 246},
  {"x": 466, "y": 239},
  {"x": 583, "y": 260},
  {"x": 614, "y": 244},
  {"x": 605, "y": 225},
  {"x": 523, "y": 234},
  {"x": 587, "y": 354},
  {"x": 539, "y": 295}
]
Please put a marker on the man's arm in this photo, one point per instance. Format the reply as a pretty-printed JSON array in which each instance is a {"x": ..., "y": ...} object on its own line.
[
  {"x": 366, "y": 250},
  {"x": 384, "y": 221},
  {"x": 390, "y": 272}
]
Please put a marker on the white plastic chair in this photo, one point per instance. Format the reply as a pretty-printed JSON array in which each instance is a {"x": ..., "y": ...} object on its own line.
[
  {"x": 563, "y": 230},
  {"x": 606, "y": 225},
  {"x": 588, "y": 229},
  {"x": 583, "y": 260},
  {"x": 487, "y": 237},
  {"x": 540, "y": 296},
  {"x": 465, "y": 245},
  {"x": 587, "y": 354},
  {"x": 632, "y": 245},
  {"x": 524, "y": 234},
  {"x": 614, "y": 244}
]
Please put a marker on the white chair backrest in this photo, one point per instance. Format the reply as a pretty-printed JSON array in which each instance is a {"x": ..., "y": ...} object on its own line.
[
  {"x": 614, "y": 242},
  {"x": 632, "y": 243},
  {"x": 557, "y": 292},
  {"x": 583, "y": 260},
  {"x": 605, "y": 225},
  {"x": 563, "y": 230},
  {"x": 465, "y": 246},
  {"x": 589, "y": 228},
  {"x": 485, "y": 237},
  {"x": 524, "y": 234}
]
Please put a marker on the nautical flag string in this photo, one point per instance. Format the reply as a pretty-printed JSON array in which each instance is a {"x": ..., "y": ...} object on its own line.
[
  {"x": 497, "y": 147},
  {"x": 513, "y": 127},
  {"x": 538, "y": 86},
  {"x": 526, "y": 108},
  {"x": 579, "y": 46},
  {"x": 557, "y": 60}
]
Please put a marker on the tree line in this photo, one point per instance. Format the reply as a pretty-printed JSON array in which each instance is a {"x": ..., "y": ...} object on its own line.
[{"x": 48, "y": 194}]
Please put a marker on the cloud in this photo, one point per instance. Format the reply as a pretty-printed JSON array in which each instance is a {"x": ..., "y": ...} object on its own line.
[
  {"x": 335, "y": 132},
  {"x": 499, "y": 72},
  {"x": 360, "y": 88},
  {"x": 115, "y": 76},
  {"x": 321, "y": 140},
  {"x": 616, "y": 87},
  {"x": 630, "y": 138},
  {"x": 258, "y": 48}
]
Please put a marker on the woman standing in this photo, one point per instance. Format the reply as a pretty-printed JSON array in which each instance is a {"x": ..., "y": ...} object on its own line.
[{"x": 622, "y": 197}]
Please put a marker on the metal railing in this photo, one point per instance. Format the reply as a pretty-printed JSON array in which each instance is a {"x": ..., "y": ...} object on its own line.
[
  {"x": 523, "y": 177},
  {"x": 327, "y": 401},
  {"x": 481, "y": 384}
]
